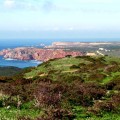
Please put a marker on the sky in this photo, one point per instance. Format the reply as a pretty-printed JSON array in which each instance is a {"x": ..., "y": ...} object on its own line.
[{"x": 59, "y": 19}]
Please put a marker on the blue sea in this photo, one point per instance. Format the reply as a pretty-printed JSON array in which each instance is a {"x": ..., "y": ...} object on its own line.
[
  {"x": 13, "y": 43},
  {"x": 7, "y": 43}
]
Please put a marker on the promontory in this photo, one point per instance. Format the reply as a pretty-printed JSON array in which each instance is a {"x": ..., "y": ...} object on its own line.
[{"x": 40, "y": 54}]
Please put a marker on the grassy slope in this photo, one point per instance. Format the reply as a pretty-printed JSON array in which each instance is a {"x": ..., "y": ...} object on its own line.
[
  {"x": 87, "y": 69},
  {"x": 73, "y": 66},
  {"x": 60, "y": 68}
]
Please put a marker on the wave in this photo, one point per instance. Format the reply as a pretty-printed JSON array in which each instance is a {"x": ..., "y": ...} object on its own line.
[
  {"x": 9, "y": 59},
  {"x": 36, "y": 61},
  {"x": 32, "y": 61}
]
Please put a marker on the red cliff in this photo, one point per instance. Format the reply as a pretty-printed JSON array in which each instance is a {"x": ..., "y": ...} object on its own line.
[{"x": 28, "y": 53}]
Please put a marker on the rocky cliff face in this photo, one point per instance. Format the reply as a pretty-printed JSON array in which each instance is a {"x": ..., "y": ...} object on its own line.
[{"x": 29, "y": 53}]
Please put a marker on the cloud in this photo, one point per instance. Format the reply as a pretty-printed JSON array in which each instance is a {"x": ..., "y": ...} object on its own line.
[
  {"x": 18, "y": 4},
  {"x": 49, "y": 6},
  {"x": 37, "y": 5},
  {"x": 9, "y": 3}
]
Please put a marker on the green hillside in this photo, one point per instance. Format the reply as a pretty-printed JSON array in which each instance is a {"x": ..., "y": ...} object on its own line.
[
  {"x": 9, "y": 71},
  {"x": 100, "y": 69},
  {"x": 71, "y": 88}
]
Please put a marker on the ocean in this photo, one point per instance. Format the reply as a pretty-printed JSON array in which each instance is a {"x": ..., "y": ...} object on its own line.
[
  {"x": 6, "y": 43},
  {"x": 13, "y": 43}
]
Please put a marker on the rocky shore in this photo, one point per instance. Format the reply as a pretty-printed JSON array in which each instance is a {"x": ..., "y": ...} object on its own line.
[{"x": 30, "y": 53}]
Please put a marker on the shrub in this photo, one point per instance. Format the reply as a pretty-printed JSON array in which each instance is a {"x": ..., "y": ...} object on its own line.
[
  {"x": 74, "y": 67},
  {"x": 48, "y": 94},
  {"x": 85, "y": 93},
  {"x": 111, "y": 105},
  {"x": 112, "y": 68},
  {"x": 114, "y": 84},
  {"x": 68, "y": 56},
  {"x": 57, "y": 114},
  {"x": 97, "y": 77},
  {"x": 23, "y": 118}
]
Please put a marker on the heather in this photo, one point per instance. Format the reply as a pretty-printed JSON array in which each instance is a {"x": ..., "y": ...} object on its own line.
[{"x": 71, "y": 88}]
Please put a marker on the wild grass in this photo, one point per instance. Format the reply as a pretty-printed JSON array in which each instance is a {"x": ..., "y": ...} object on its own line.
[{"x": 14, "y": 114}]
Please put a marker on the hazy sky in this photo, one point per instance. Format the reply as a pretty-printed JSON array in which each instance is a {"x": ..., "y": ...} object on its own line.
[{"x": 59, "y": 18}]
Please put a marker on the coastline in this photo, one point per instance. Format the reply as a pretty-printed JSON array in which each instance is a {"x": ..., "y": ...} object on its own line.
[{"x": 18, "y": 63}]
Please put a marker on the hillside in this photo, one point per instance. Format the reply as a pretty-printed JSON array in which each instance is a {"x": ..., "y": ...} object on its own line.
[
  {"x": 9, "y": 71},
  {"x": 88, "y": 69},
  {"x": 71, "y": 88}
]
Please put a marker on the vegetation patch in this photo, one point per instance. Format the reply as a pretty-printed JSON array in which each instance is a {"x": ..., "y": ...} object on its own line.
[{"x": 71, "y": 88}]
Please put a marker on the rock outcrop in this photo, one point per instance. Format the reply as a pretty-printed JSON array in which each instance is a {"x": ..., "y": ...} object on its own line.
[{"x": 30, "y": 53}]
